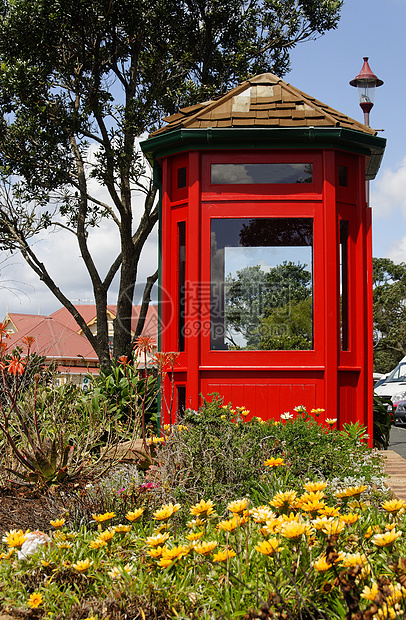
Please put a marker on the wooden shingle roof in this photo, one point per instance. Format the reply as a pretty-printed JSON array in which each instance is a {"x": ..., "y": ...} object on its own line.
[{"x": 262, "y": 101}]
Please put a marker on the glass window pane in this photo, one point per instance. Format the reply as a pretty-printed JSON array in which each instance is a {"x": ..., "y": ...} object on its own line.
[
  {"x": 262, "y": 284},
  {"x": 181, "y": 281},
  {"x": 236, "y": 174},
  {"x": 181, "y": 178},
  {"x": 343, "y": 176},
  {"x": 344, "y": 225}
]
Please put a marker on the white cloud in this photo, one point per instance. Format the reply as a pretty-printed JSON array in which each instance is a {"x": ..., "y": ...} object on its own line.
[
  {"x": 388, "y": 192},
  {"x": 398, "y": 251}
]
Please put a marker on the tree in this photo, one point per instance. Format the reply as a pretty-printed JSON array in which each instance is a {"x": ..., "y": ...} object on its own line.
[
  {"x": 78, "y": 75},
  {"x": 389, "y": 281}
]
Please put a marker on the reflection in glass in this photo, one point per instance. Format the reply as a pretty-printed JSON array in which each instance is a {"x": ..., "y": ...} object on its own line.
[
  {"x": 236, "y": 174},
  {"x": 261, "y": 284},
  {"x": 181, "y": 283}
]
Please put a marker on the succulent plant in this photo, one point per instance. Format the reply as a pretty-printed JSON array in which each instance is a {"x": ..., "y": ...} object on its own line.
[{"x": 47, "y": 463}]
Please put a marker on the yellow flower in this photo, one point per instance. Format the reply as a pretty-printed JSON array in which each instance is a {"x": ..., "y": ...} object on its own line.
[
  {"x": 166, "y": 512},
  {"x": 107, "y": 535},
  {"x": 333, "y": 528},
  {"x": 58, "y": 522},
  {"x": 329, "y": 511},
  {"x": 118, "y": 571},
  {"x": 311, "y": 496},
  {"x": 170, "y": 555},
  {"x": 394, "y": 505},
  {"x": 317, "y": 411},
  {"x": 15, "y": 538},
  {"x": 293, "y": 529},
  {"x": 312, "y": 505},
  {"x": 331, "y": 421},
  {"x": 270, "y": 527},
  {"x": 357, "y": 504},
  {"x": 82, "y": 565},
  {"x": 272, "y": 462},
  {"x": 114, "y": 573},
  {"x": 369, "y": 532},
  {"x": 122, "y": 529},
  {"x": 104, "y": 517},
  {"x": 195, "y": 523},
  {"x": 350, "y": 492},
  {"x": 229, "y": 525},
  {"x": 355, "y": 559},
  {"x": 202, "y": 507},
  {"x": 349, "y": 518},
  {"x": 268, "y": 547},
  {"x": 194, "y": 536},
  {"x": 133, "y": 515},
  {"x": 262, "y": 514},
  {"x": 155, "y": 552},
  {"x": 223, "y": 556},
  {"x": 238, "y": 506},
  {"x": 311, "y": 487},
  {"x": 321, "y": 564},
  {"x": 97, "y": 544},
  {"x": 64, "y": 545},
  {"x": 283, "y": 500},
  {"x": 320, "y": 522},
  {"x": 204, "y": 548},
  {"x": 158, "y": 539},
  {"x": 34, "y": 600},
  {"x": 386, "y": 539},
  {"x": 370, "y": 593},
  {"x": 156, "y": 440}
]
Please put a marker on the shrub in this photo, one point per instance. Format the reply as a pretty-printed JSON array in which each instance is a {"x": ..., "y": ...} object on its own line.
[{"x": 215, "y": 449}]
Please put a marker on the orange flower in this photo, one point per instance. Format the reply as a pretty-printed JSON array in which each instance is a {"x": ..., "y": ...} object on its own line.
[
  {"x": 28, "y": 340},
  {"x": 172, "y": 357},
  {"x": 144, "y": 344},
  {"x": 3, "y": 331},
  {"x": 161, "y": 360},
  {"x": 123, "y": 359},
  {"x": 16, "y": 365}
]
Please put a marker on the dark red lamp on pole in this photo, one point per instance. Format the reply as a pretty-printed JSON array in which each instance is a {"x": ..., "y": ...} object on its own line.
[{"x": 366, "y": 82}]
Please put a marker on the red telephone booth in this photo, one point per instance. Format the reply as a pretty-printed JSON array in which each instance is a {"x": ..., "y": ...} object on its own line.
[{"x": 265, "y": 265}]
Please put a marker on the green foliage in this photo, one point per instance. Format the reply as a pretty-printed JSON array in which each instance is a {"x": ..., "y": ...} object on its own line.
[
  {"x": 389, "y": 280},
  {"x": 224, "y": 455},
  {"x": 122, "y": 390}
]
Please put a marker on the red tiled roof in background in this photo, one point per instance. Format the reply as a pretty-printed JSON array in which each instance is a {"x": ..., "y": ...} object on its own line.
[
  {"x": 52, "y": 339},
  {"x": 59, "y": 337},
  {"x": 88, "y": 312},
  {"x": 262, "y": 101}
]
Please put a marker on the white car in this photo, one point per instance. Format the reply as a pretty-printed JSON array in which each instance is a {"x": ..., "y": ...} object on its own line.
[{"x": 394, "y": 384}]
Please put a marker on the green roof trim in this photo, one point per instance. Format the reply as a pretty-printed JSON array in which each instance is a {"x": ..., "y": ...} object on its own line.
[{"x": 232, "y": 138}]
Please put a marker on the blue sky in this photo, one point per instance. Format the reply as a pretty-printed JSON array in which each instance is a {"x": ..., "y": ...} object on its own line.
[{"x": 323, "y": 69}]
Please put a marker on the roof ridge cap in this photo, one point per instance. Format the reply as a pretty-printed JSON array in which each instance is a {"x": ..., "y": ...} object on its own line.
[{"x": 213, "y": 104}]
